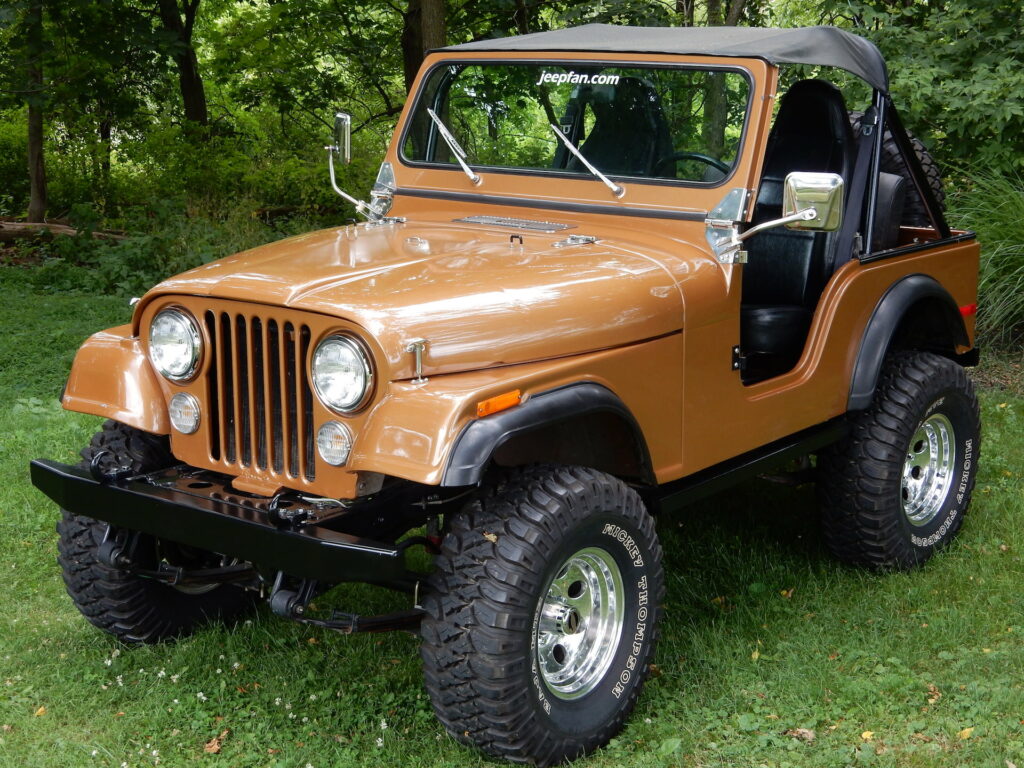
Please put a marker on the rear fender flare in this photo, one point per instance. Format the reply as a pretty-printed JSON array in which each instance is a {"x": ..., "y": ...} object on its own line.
[{"x": 895, "y": 306}]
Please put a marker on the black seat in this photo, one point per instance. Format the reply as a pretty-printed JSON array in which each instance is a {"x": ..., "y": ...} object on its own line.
[
  {"x": 787, "y": 269},
  {"x": 630, "y": 133}
]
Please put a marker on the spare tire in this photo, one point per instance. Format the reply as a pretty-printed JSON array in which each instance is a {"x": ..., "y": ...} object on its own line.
[{"x": 914, "y": 212}]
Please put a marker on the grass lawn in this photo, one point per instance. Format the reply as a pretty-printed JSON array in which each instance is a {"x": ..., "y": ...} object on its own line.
[{"x": 764, "y": 634}]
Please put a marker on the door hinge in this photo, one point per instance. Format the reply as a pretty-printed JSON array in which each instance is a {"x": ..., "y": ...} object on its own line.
[{"x": 739, "y": 360}]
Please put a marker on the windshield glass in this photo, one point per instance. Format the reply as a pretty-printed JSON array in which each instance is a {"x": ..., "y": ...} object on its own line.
[{"x": 634, "y": 121}]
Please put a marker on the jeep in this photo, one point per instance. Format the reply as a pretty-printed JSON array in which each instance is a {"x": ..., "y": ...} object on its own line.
[{"x": 604, "y": 272}]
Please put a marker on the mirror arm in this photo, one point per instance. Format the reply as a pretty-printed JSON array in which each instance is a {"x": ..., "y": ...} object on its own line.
[
  {"x": 807, "y": 214},
  {"x": 727, "y": 248},
  {"x": 361, "y": 207}
]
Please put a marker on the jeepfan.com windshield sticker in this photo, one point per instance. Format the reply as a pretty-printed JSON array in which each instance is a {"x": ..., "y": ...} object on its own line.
[{"x": 576, "y": 78}]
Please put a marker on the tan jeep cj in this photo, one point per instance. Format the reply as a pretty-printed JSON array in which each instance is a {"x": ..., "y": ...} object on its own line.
[{"x": 604, "y": 271}]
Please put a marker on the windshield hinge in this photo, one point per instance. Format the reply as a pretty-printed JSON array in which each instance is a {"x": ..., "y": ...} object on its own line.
[{"x": 575, "y": 240}]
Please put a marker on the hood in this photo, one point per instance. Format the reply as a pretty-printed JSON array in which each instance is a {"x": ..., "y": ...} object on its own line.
[{"x": 480, "y": 297}]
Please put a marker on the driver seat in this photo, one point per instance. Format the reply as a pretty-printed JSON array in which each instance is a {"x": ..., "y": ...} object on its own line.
[
  {"x": 630, "y": 133},
  {"x": 787, "y": 269}
]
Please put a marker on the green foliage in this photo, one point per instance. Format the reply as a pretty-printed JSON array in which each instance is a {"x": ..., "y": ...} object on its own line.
[
  {"x": 992, "y": 205},
  {"x": 166, "y": 238},
  {"x": 956, "y": 70}
]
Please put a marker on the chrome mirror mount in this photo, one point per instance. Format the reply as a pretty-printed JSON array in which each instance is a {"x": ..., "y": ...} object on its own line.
[{"x": 811, "y": 201}]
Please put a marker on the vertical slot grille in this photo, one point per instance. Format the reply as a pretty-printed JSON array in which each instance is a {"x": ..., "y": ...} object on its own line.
[{"x": 260, "y": 399}]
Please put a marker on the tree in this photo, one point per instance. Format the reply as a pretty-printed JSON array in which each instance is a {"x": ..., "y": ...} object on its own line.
[
  {"x": 424, "y": 26},
  {"x": 34, "y": 97},
  {"x": 178, "y": 23}
]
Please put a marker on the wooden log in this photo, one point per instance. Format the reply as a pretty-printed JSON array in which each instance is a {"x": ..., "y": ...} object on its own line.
[{"x": 20, "y": 230}]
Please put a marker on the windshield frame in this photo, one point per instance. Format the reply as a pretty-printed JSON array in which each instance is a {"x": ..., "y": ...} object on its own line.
[{"x": 550, "y": 173}]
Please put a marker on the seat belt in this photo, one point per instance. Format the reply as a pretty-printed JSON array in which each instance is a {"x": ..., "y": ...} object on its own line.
[{"x": 843, "y": 250}]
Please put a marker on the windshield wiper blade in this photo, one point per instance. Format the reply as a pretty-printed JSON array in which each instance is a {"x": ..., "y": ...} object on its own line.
[
  {"x": 453, "y": 145},
  {"x": 616, "y": 189}
]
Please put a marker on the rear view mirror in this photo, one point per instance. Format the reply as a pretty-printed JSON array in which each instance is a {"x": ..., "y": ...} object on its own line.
[
  {"x": 343, "y": 137},
  {"x": 820, "y": 192}
]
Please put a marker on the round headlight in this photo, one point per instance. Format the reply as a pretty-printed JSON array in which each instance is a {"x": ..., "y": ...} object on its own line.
[
  {"x": 333, "y": 443},
  {"x": 341, "y": 373},
  {"x": 174, "y": 344}
]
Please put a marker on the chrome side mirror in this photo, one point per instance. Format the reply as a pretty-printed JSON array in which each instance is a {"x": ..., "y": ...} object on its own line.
[
  {"x": 342, "y": 137},
  {"x": 818, "y": 192},
  {"x": 342, "y": 147}
]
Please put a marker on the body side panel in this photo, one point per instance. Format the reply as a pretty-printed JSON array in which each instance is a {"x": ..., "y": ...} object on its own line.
[{"x": 723, "y": 418}]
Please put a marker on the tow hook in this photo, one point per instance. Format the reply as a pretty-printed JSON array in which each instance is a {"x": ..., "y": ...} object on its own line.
[{"x": 107, "y": 476}]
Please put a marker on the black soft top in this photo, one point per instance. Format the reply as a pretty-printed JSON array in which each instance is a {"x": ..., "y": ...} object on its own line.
[{"x": 824, "y": 46}]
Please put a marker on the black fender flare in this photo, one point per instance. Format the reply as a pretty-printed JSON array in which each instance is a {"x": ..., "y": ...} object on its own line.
[
  {"x": 885, "y": 320},
  {"x": 480, "y": 439}
]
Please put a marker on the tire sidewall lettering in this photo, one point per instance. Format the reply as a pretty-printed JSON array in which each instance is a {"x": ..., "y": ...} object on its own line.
[
  {"x": 619, "y": 537},
  {"x": 937, "y": 532}
]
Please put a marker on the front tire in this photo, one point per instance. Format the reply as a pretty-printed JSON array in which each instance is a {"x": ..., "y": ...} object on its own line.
[
  {"x": 895, "y": 491},
  {"x": 132, "y": 608},
  {"x": 541, "y": 617}
]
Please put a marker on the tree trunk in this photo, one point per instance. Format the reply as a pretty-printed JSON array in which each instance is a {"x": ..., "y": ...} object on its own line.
[
  {"x": 432, "y": 21},
  {"x": 423, "y": 29},
  {"x": 34, "y": 70},
  {"x": 190, "y": 81},
  {"x": 106, "y": 127},
  {"x": 412, "y": 43},
  {"x": 716, "y": 105},
  {"x": 685, "y": 8}
]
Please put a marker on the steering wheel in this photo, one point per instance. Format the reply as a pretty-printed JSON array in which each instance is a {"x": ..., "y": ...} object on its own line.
[{"x": 675, "y": 157}]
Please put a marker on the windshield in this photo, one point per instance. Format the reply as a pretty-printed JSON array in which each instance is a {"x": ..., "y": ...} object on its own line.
[{"x": 669, "y": 123}]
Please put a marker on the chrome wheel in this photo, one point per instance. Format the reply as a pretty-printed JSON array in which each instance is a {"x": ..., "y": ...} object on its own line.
[
  {"x": 928, "y": 470},
  {"x": 580, "y": 623}
]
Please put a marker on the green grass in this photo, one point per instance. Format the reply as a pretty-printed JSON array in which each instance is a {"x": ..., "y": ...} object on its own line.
[{"x": 740, "y": 664}]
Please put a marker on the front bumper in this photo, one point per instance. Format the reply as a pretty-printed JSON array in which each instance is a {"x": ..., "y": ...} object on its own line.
[{"x": 199, "y": 510}]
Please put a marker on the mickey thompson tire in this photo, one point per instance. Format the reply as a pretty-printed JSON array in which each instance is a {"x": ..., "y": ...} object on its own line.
[
  {"x": 896, "y": 489},
  {"x": 130, "y": 607},
  {"x": 541, "y": 616}
]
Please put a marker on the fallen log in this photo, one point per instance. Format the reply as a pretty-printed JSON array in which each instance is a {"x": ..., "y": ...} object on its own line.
[{"x": 20, "y": 230}]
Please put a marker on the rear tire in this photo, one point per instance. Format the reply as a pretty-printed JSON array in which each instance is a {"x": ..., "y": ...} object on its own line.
[
  {"x": 541, "y": 616},
  {"x": 132, "y": 608},
  {"x": 895, "y": 491}
]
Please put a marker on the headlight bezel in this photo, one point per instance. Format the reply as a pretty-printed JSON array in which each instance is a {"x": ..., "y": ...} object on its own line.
[
  {"x": 194, "y": 334},
  {"x": 355, "y": 345}
]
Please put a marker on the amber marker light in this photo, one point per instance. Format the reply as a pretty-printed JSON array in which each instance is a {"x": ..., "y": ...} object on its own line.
[{"x": 498, "y": 403}]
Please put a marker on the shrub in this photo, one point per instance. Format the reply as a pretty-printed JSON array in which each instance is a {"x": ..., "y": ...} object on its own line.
[{"x": 992, "y": 205}]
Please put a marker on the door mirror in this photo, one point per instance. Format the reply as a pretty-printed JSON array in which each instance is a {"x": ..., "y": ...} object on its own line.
[
  {"x": 820, "y": 192},
  {"x": 342, "y": 146}
]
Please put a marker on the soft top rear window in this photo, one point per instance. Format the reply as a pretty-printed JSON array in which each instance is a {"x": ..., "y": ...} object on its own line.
[{"x": 664, "y": 123}]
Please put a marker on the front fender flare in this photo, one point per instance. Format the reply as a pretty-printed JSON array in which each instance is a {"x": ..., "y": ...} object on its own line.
[{"x": 480, "y": 439}]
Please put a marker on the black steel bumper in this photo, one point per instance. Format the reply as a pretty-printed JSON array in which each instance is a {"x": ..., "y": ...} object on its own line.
[{"x": 201, "y": 510}]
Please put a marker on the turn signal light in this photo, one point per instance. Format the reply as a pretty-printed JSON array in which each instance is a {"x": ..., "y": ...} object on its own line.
[{"x": 498, "y": 403}]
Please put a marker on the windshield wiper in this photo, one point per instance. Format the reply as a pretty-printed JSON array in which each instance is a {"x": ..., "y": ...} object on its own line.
[
  {"x": 453, "y": 145},
  {"x": 617, "y": 190}
]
